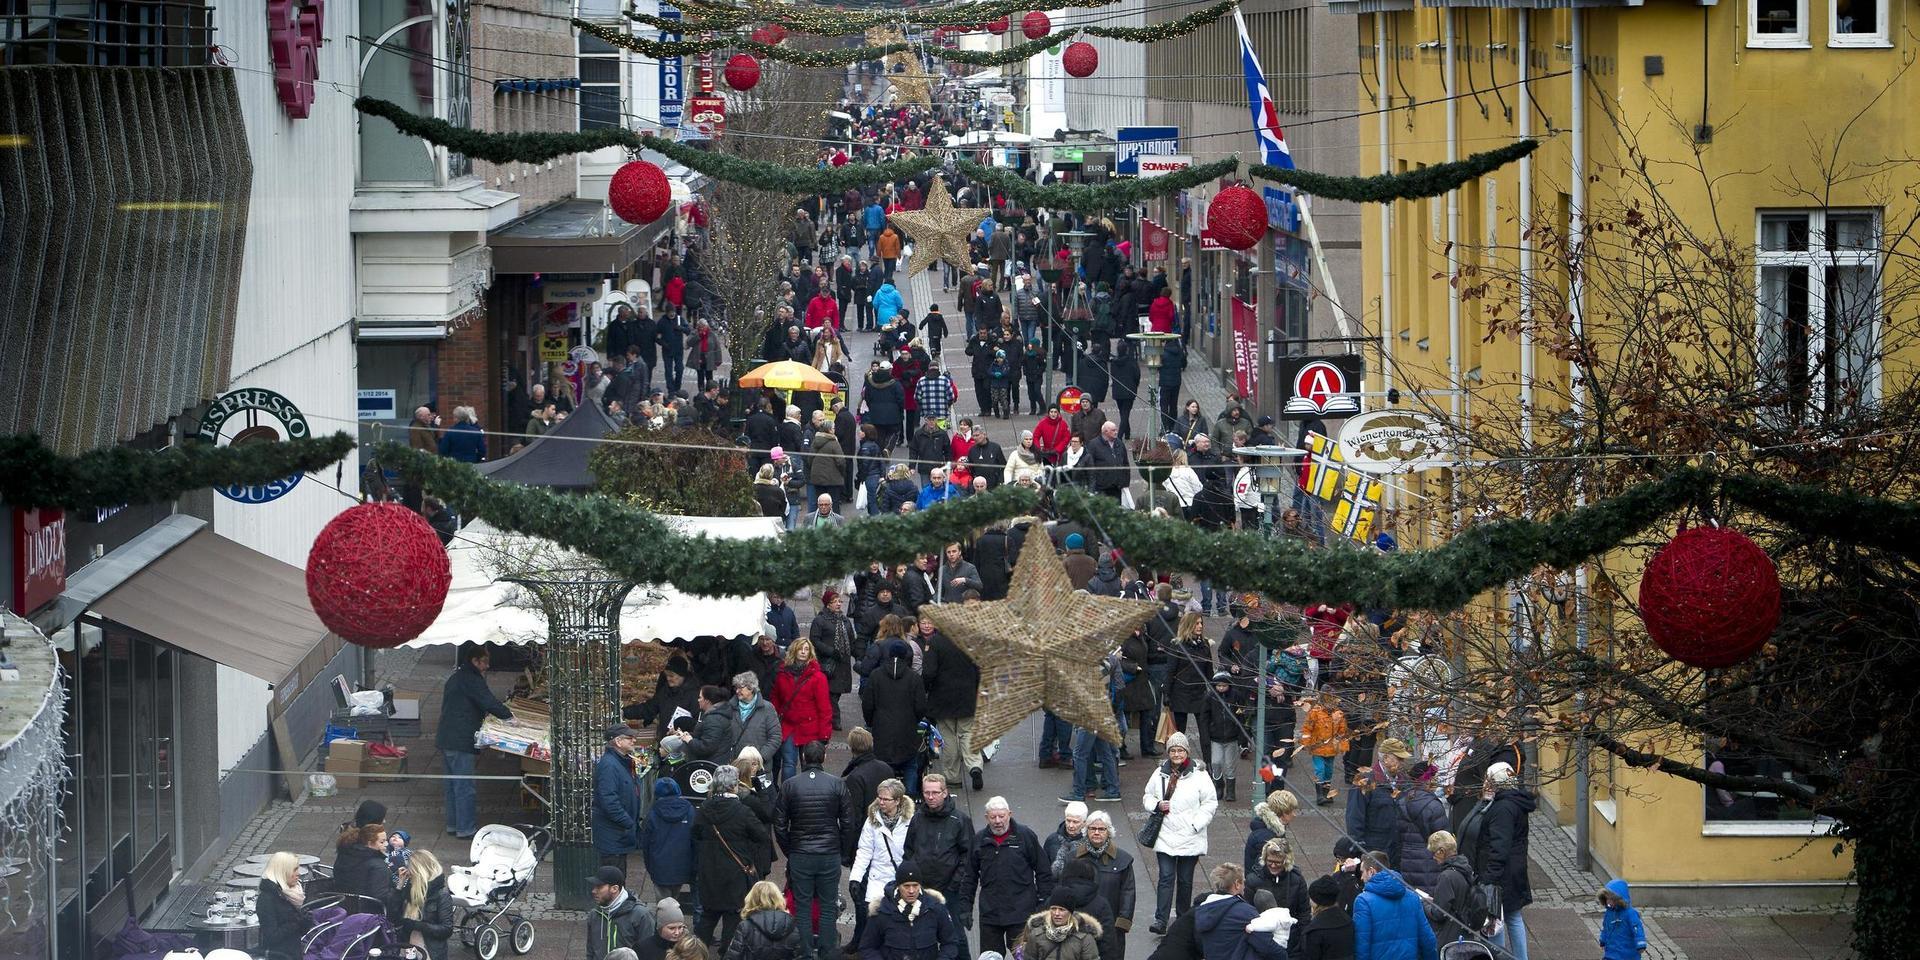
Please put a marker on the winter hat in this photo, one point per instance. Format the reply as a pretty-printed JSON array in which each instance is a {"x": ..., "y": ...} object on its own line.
[
  {"x": 405, "y": 837},
  {"x": 668, "y": 911},
  {"x": 664, "y": 788},
  {"x": 1076, "y": 541},
  {"x": 777, "y": 453},
  {"x": 1076, "y": 809},
  {"x": 370, "y": 811},
  {"x": 1221, "y": 676},
  {"x": 618, "y": 730},
  {"x": 677, "y": 665},
  {"x": 829, "y": 596},
  {"x": 1178, "y": 739},
  {"x": 1346, "y": 848},
  {"x": 1396, "y": 747},
  {"x": 905, "y": 872},
  {"x": 1060, "y": 898},
  {"x": 1324, "y": 891},
  {"x": 1500, "y": 774},
  {"x": 897, "y": 649}
]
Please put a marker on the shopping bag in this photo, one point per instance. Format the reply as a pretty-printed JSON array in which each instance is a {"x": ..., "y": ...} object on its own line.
[
  {"x": 860, "y": 497},
  {"x": 1126, "y": 498},
  {"x": 1165, "y": 728}
]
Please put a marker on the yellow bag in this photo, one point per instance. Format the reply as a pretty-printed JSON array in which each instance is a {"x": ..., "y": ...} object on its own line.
[{"x": 1164, "y": 728}]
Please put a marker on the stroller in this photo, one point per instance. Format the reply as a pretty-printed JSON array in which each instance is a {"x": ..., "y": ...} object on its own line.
[
  {"x": 352, "y": 927},
  {"x": 504, "y": 861}
]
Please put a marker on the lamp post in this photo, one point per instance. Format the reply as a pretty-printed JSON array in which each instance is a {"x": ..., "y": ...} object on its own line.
[
  {"x": 1072, "y": 240},
  {"x": 1153, "y": 348},
  {"x": 1269, "y": 463}
]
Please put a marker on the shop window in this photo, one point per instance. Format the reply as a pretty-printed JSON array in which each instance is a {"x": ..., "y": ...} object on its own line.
[
  {"x": 406, "y": 372},
  {"x": 1777, "y": 23},
  {"x": 599, "y": 83},
  {"x": 1818, "y": 301},
  {"x": 106, "y": 33},
  {"x": 421, "y": 59},
  {"x": 1857, "y": 23}
]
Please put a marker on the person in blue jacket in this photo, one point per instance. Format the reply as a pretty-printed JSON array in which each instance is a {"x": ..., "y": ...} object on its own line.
[
  {"x": 1621, "y": 935},
  {"x": 666, "y": 839},
  {"x": 1389, "y": 921},
  {"x": 1220, "y": 921},
  {"x": 887, "y": 303},
  {"x": 616, "y": 800}
]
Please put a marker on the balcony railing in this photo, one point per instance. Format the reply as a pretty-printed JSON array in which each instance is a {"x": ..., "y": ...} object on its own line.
[{"x": 107, "y": 33}]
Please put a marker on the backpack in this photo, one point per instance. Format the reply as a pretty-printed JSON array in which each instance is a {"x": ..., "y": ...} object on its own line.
[{"x": 1479, "y": 905}]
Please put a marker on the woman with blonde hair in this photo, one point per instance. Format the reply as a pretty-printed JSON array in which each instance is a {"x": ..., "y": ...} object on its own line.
[
  {"x": 768, "y": 494},
  {"x": 427, "y": 919},
  {"x": 754, "y": 790},
  {"x": 282, "y": 909},
  {"x": 767, "y": 931},
  {"x": 881, "y": 847},
  {"x": 801, "y": 698},
  {"x": 1192, "y": 675}
]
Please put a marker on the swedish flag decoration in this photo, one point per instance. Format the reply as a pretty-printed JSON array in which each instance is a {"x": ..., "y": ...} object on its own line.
[
  {"x": 1359, "y": 500},
  {"x": 1324, "y": 467}
]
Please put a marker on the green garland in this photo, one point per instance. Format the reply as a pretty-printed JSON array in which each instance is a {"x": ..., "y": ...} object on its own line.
[
  {"x": 1088, "y": 198},
  {"x": 36, "y": 476},
  {"x": 1433, "y": 181},
  {"x": 639, "y": 545},
  {"x": 841, "y": 23},
  {"x": 540, "y": 147},
  {"x": 1889, "y": 525},
  {"x": 842, "y": 56},
  {"x": 1443, "y": 578}
]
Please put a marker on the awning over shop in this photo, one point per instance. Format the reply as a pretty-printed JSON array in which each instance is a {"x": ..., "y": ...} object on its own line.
[
  {"x": 213, "y": 597},
  {"x": 485, "y": 610},
  {"x": 573, "y": 236}
]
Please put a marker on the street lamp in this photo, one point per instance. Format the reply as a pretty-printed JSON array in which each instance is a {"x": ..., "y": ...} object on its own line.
[
  {"x": 1153, "y": 347},
  {"x": 1072, "y": 243},
  {"x": 1270, "y": 469}
]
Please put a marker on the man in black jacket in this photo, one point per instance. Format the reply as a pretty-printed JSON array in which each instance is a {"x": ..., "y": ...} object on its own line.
[
  {"x": 1010, "y": 868},
  {"x": 940, "y": 843},
  {"x": 865, "y": 772},
  {"x": 816, "y": 822},
  {"x": 464, "y": 701},
  {"x": 987, "y": 458},
  {"x": 950, "y": 703},
  {"x": 763, "y": 433},
  {"x": 618, "y": 919},
  {"x": 1108, "y": 457}
]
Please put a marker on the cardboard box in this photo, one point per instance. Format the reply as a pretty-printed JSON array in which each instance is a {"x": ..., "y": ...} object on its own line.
[
  {"x": 383, "y": 769},
  {"x": 354, "y": 750},
  {"x": 406, "y": 704},
  {"x": 345, "y": 771}
]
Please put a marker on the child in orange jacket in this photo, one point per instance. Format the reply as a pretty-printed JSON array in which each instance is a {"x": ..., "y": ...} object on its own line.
[{"x": 1325, "y": 737}]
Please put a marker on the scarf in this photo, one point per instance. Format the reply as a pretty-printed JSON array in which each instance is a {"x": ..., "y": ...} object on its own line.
[
  {"x": 746, "y": 708},
  {"x": 1057, "y": 934},
  {"x": 911, "y": 911},
  {"x": 296, "y": 894}
]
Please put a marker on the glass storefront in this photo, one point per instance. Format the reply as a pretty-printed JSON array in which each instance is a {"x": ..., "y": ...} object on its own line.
[
  {"x": 120, "y": 810},
  {"x": 396, "y": 379}
]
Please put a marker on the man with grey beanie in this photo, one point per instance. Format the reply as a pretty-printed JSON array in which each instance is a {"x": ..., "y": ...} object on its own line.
[{"x": 670, "y": 926}]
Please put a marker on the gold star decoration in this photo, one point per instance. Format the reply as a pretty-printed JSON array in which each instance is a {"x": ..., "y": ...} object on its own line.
[
  {"x": 1041, "y": 647},
  {"x": 939, "y": 230},
  {"x": 910, "y": 83}
]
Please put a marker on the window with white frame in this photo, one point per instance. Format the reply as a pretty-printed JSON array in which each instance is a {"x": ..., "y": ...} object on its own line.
[
  {"x": 599, "y": 83},
  {"x": 1857, "y": 23},
  {"x": 1777, "y": 23},
  {"x": 1818, "y": 301}
]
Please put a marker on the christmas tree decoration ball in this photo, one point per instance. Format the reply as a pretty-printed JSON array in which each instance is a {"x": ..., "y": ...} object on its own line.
[
  {"x": 639, "y": 193},
  {"x": 1081, "y": 59},
  {"x": 1237, "y": 218},
  {"x": 377, "y": 575},
  {"x": 1000, "y": 25},
  {"x": 770, "y": 34},
  {"x": 1710, "y": 598},
  {"x": 1036, "y": 24},
  {"x": 742, "y": 72}
]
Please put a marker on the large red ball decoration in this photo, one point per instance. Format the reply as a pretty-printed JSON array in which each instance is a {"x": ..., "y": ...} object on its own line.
[
  {"x": 1710, "y": 597},
  {"x": 1237, "y": 218},
  {"x": 839, "y": 158},
  {"x": 1036, "y": 24},
  {"x": 742, "y": 72},
  {"x": 770, "y": 34},
  {"x": 377, "y": 575},
  {"x": 1000, "y": 25},
  {"x": 1081, "y": 59},
  {"x": 639, "y": 193}
]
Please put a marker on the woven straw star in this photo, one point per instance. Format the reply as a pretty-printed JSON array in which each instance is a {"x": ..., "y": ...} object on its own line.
[
  {"x": 1041, "y": 647},
  {"x": 911, "y": 84},
  {"x": 939, "y": 230}
]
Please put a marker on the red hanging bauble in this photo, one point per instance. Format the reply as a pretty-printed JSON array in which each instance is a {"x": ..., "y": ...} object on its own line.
[
  {"x": 1081, "y": 59},
  {"x": 639, "y": 193},
  {"x": 377, "y": 575},
  {"x": 1237, "y": 218},
  {"x": 1036, "y": 24},
  {"x": 742, "y": 72},
  {"x": 1710, "y": 597},
  {"x": 1000, "y": 25},
  {"x": 770, "y": 34}
]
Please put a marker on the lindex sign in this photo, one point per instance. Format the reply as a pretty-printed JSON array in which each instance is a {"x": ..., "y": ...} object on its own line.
[{"x": 1316, "y": 387}]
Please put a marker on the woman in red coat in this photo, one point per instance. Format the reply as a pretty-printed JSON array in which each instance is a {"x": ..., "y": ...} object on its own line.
[
  {"x": 1160, "y": 314},
  {"x": 1050, "y": 436},
  {"x": 801, "y": 699}
]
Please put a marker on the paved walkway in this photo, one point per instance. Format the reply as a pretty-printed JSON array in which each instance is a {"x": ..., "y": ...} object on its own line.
[{"x": 1562, "y": 923}]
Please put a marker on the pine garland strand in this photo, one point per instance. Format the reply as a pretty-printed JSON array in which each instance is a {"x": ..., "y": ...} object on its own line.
[
  {"x": 1433, "y": 181},
  {"x": 1090, "y": 198},
  {"x": 36, "y": 476},
  {"x": 841, "y": 23},
  {"x": 541, "y": 147}
]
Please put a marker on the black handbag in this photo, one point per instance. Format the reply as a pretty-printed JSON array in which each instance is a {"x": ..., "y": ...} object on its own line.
[{"x": 1151, "y": 832}]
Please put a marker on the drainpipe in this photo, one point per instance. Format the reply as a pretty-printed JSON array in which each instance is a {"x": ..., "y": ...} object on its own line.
[
  {"x": 1382, "y": 102},
  {"x": 1526, "y": 223},
  {"x": 1453, "y": 234},
  {"x": 1576, "y": 307}
]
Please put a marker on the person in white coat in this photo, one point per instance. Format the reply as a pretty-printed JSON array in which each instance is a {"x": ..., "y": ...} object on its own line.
[
  {"x": 881, "y": 847},
  {"x": 1183, "y": 793}
]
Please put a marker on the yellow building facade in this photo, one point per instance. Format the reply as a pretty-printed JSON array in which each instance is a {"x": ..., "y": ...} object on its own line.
[{"x": 1738, "y": 108}]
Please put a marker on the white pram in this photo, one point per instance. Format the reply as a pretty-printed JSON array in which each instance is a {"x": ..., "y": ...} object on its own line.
[{"x": 504, "y": 861}]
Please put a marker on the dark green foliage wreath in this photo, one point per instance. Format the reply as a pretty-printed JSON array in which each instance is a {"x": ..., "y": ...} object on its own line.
[
  {"x": 1443, "y": 578},
  {"x": 821, "y": 22},
  {"x": 540, "y": 147},
  {"x": 36, "y": 476},
  {"x": 639, "y": 545},
  {"x": 1433, "y": 181},
  {"x": 1888, "y": 525},
  {"x": 1089, "y": 198}
]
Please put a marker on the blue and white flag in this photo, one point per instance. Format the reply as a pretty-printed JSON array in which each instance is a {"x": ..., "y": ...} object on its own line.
[{"x": 1266, "y": 117}]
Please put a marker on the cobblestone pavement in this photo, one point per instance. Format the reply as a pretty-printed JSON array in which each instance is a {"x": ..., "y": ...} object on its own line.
[{"x": 1562, "y": 923}]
